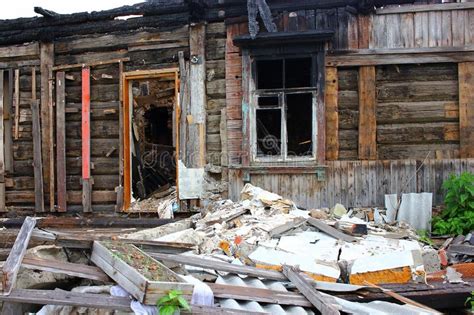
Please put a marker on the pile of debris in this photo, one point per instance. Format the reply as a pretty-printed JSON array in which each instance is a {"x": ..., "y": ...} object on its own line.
[{"x": 262, "y": 254}]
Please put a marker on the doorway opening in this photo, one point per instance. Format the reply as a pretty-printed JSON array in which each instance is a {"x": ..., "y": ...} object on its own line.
[{"x": 150, "y": 134}]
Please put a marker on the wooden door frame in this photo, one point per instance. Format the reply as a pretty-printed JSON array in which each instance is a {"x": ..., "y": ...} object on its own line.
[{"x": 127, "y": 78}]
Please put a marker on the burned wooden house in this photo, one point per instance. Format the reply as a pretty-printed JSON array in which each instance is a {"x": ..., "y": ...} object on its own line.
[{"x": 323, "y": 102}]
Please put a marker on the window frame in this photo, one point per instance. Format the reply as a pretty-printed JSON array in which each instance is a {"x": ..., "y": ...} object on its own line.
[{"x": 282, "y": 93}]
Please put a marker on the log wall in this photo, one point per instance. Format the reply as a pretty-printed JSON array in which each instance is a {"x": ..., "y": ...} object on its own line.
[{"x": 148, "y": 49}]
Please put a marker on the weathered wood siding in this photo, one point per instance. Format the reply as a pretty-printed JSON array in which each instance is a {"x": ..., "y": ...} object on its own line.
[
  {"x": 415, "y": 50},
  {"x": 363, "y": 183},
  {"x": 152, "y": 48}
]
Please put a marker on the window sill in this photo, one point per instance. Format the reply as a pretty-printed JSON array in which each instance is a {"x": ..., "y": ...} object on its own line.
[{"x": 281, "y": 169}]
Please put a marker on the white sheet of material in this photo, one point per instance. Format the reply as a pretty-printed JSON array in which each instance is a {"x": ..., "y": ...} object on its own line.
[{"x": 415, "y": 209}]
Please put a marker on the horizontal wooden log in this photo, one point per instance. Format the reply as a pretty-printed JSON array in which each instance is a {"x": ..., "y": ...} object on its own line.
[
  {"x": 17, "y": 51},
  {"x": 74, "y": 197},
  {"x": 118, "y": 41},
  {"x": 100, "y": 166},
  {"x": 417, "y": 151},
  {"x": 348, "y": 100},
  {"x": 417, "y": 72},
  {"x": 99, "y": 93},
  {"x": 23, "y": 150},
  {"x": 417, "y": 91},
  {"x": 403, "y": 112},
  {"x": 417, "y": 133}
]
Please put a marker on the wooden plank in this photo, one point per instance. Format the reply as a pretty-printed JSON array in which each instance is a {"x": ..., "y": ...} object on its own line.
[
  {"x": 96, "y": 301},
  {"x": 120, "y": 188},
  {"x": 37, "y": 158},
  {"x": 424, "y": 8},
  {"x": 245, "y": 109},
  {"x": 332, "y": 115},
  {"x": 16, "y": 102},
  {"x": 260, "y": 295},
  {"x": 47, "y": 61},
  {"x": 51, "y": 143},
  {"x": 61, "y": 140},
  {"x": 466, "y": 109},
  {"x": 2, "y": 146},
  {"x": 7, "y": 120},
  {"x": 91, "y": 64},
  {"x": 60, "y": 297},
  {"x": 421, "y": 25},
  {"x": 86, "y": 142},
  {"x": 323, "y": 227},
  {"x": 367, "y": 114},
  {"x": 399, "y": 56},
  {"x": 220, "y": 266},
  {"x": 323, "y": 303},
  {"x": 70, "y": 269},
  {"x": 197, "y": 77},
  {"x": 12, "y": 264},
  {"x": 27, "y": 50}
]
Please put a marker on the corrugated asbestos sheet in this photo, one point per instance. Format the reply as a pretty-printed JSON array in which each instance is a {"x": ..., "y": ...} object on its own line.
[{"x": 255, "y": 306}]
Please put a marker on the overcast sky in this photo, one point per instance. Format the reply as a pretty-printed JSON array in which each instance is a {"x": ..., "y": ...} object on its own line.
[{"x": 12, "y": 9}]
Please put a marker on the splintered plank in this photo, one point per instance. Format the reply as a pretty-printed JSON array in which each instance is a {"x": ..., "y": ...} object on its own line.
[
  {"x": 61, "y": 140},
  {"x": 324, "y": 304},
  {"x": 367, "y": 114},
  {"x": 12, "y": 264},
  {"x": 86, "y": 141},
  {"x": 332, "y": 116},
  {"x": 466, "y": 109}
]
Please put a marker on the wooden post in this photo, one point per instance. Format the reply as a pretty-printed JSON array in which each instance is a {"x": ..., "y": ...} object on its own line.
[
  {"x": 367, "y": 112},
  {"x": 2, "y": 156},
  {"x": 16, "y": 101},
  {"x": 466, "y": 109},
  {"x": 246, "y": 77},
  {"x": 7, "y": 129},
  {"x": 332, "y": 115},
  {"x": 47, "y": 61},
  {"x": 119, "y": 189},
  {"x": 86, "y": 142},
  {"x": 37, "y": 158},
  {"x": 51, "y": 141},
  {"x": 61, "y": 140},
  {"x": 196, "y": 144}
]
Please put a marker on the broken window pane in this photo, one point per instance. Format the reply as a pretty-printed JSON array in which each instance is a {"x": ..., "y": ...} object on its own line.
[
  {"x": 270, "y": 74},
  {"x": 268, "y": 101},
  {"x": 299, "y": 124},
  {"x": 298, "y": 72},
  {"x": 268, "y": 131}
]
